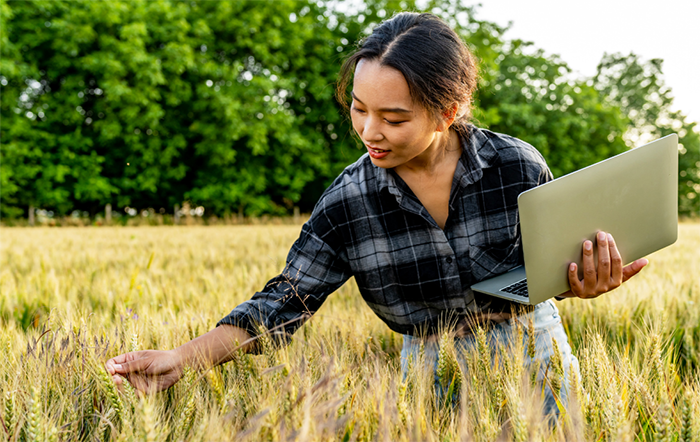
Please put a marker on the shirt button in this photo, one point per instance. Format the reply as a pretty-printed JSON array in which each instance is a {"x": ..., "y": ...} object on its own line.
[{"x": 449, "y": 260}]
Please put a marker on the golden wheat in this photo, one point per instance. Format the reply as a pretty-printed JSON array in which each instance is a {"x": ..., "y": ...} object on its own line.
[{"x": 70, "y": 298}]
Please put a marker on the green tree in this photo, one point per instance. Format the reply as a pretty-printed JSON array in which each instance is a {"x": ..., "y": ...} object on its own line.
[
  {"x": 638, "y": 88},
  {"x": 529, "y": 94},
  {"x": 48, "y": 158},
  {"x": 17, "y": 167},
  {"x": 229, "y": 104}
]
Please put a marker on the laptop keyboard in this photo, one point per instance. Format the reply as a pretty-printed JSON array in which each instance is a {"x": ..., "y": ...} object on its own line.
[{"x": 518, "y": 288}]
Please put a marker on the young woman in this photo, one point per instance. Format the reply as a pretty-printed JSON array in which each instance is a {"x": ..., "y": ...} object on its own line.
[{"x": 428, "y": 211}]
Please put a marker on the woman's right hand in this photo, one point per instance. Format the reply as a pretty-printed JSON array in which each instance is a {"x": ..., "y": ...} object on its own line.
[
  {"x": 154, "y": 370},
  {"x": 148, "y": 370}
]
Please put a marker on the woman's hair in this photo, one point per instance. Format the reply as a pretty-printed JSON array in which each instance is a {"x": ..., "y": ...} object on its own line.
[{"x": 438, "y": 67}]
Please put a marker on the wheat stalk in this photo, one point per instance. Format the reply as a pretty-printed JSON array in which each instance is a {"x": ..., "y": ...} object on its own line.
[
  {"x": 150, "y": 433},
  {"x": 105, "y": 381},
  {"x": 10, "y": 414},
  {"x": 33, "y": 430}
]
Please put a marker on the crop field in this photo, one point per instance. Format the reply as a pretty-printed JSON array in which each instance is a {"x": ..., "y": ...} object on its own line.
[{"x": 70, "y": 298}]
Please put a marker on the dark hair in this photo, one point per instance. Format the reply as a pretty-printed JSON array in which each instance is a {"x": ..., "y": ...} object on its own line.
[{"x": 438, "y": 67}]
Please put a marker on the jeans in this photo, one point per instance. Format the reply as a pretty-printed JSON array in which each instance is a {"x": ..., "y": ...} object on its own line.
[{"x": 547, "y": 325}]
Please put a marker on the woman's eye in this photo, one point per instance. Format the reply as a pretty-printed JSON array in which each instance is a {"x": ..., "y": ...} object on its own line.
[
  {"x": 357, "y": 110},
  {"x": 393, "y": 123}
]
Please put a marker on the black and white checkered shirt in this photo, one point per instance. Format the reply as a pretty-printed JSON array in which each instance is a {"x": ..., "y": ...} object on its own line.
[{"x": 370, "y": 225}]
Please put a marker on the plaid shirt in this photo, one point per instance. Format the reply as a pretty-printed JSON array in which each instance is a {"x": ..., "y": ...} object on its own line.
[{"x": 412, "y": 274}]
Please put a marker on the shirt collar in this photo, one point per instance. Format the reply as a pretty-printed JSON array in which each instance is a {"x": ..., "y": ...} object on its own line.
[{"x": 478, "y": 153}]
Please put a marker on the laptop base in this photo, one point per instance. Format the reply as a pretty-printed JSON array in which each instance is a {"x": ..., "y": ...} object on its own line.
[{"x": 493, "y": 286}]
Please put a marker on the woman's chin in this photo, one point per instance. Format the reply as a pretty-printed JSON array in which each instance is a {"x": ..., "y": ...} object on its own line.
[{"x": 382, "y": 162}]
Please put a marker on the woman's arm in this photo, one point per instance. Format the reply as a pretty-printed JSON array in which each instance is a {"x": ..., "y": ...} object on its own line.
[
  {"x": 313, "y": 270},
  {"x": 155, "y": 370}
]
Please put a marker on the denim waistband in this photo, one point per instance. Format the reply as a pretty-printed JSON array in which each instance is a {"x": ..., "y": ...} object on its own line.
[{"x": 466, "y": 326}]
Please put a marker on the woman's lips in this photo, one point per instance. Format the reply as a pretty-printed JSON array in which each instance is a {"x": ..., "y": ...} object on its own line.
[{"x": 377, "y": 153}]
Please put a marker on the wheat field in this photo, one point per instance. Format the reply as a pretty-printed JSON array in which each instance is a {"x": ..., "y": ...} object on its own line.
[{"x": 70, "y": 298}]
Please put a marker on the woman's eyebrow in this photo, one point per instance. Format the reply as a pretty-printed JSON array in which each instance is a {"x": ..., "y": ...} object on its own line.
[{"x": 394, "y": 110}]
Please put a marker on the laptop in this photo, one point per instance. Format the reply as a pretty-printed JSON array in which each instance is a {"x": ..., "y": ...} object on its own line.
[{"x": 633, "y": 196}]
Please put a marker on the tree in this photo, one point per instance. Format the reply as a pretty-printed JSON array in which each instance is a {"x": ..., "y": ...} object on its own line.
[
  {"x": 229, "y": 104},
  {"x": 48, "y": 160},
  {"x": 638, "y": 88},
  {"x": 14, "y": 173}
]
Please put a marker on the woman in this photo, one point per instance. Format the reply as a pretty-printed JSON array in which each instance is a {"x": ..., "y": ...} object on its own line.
[{"x": 428, "y": 211}]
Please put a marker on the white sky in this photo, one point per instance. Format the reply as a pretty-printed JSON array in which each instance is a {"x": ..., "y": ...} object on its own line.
[{"x": 580, "y": 32}]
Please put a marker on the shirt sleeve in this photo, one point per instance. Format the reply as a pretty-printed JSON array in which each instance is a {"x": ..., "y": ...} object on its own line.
[
  {"x": 316, "y": 266},
  {"x": 537, "y": 171}
]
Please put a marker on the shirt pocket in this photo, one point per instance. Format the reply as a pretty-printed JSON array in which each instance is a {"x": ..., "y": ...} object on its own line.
[{"x": 493, "y": 259}]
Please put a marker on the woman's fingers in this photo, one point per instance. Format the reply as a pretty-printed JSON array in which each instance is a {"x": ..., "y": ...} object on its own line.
[
  {"x": 604, "y": 279},
  {"x": 634, "y": 268},
  {"x": 617, "y": 274},
  {"x": 600, "y": 278},
  {"x": 616, "y": 261},
  {"x": 111, "y": 364},
  {"x": 139, "y": 382},
  {"x": 147, "y": 370},
  {"x": 590, "y": 275},
  {"x": 115, "y": 365},
  {"x": 130, "y": 367},
  {"x": 135, "y": 366},
  {"x": 575, "y": 284},
  {"x": 609, "y": 273}
]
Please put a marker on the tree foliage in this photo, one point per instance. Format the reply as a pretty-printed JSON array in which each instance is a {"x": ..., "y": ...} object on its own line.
[
  {"x": 637, "y": 88},
  {"x": 229, "y": 104}
]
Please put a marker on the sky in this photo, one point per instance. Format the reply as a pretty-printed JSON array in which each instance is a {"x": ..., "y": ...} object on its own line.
[{"x": 581, "y": 32}]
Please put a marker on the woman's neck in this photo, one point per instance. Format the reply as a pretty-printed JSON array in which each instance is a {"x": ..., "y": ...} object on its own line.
[{"x": 442, "y": 152}]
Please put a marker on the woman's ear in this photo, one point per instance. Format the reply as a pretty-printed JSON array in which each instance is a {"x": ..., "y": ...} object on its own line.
[{"x": 447, "y": 118}]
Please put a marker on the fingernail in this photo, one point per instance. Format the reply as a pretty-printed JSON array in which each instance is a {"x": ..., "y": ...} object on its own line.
[
  {"x": 572, "y": 267},
  {"x": 601, "y": 236},
  {"x": 117, "y": 366},
  {"x": 610, "y": 238},
  {"x": 588, "y": 245},
  {"x": 644, "y": 261}
]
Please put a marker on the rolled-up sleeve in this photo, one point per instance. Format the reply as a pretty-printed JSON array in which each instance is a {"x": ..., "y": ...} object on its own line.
[{"x": 316, "y": 266}]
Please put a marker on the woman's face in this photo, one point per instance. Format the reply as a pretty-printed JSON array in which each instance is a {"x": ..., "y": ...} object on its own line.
[{"x": 395, "y": 130}]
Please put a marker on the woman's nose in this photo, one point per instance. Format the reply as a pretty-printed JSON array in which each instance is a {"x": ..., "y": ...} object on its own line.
[{"x": 372, "y": 129}]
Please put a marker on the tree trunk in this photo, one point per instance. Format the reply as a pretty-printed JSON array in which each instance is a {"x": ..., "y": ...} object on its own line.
[
  {"x": 186, "y": 211},
  {"x": 108, "y": 213},
  {"x": 176, "y": 216},
  {"x": 31, "y": 215}
]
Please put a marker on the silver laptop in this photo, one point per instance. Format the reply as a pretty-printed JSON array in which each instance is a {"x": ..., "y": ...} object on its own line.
[{"x": 633, "y": 196}]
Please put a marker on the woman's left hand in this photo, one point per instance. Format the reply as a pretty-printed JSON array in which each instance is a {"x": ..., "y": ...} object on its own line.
[{"x": 610, "y": 273}]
